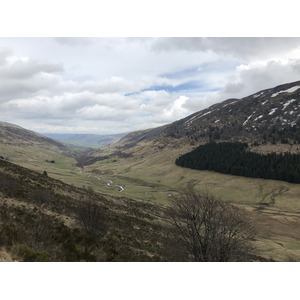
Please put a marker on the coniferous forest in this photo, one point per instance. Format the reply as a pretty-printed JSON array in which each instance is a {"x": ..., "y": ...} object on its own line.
[{"x": 233, "y": 158}]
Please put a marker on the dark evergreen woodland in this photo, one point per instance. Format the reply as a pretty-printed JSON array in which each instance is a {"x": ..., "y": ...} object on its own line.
[{"x": 233, "y": 158}]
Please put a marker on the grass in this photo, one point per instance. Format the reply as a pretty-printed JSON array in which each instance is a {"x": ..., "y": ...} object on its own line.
[
  {"x": 157, "y": 173},
  {"x": 151, "y": 175},
  {"x": 34, "y": 158},
  {"x": 134, "y": 230}
]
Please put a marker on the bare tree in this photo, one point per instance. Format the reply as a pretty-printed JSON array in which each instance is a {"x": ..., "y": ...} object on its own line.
[
  {"x": 209, "y": 229},
  {"x": 91, "y": 217}
]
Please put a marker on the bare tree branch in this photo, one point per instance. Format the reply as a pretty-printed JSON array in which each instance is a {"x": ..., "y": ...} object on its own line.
[
  {"x": 91, "y": 217},
  {"x": 209, "y": 229}
]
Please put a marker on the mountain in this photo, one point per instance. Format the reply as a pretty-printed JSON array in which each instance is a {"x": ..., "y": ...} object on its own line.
[
  {"x": 268, "y": 116},
  {"x": 143, "y": 162},
  {"x": 34, "y": 151},
  {"x": 86, "y": 140},
  {"x": 11, "y": 134}
]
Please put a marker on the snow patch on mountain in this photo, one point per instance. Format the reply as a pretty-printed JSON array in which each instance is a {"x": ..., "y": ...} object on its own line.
[
  {"x": 258, "y": 118},
  {"x": 290, "y": 90},
  {"x": 288, "y": 103},
  {"x": 197, "y": 117},
  {"x": 257, "y": 95},
  {"x": 247, "y": 120},
  {"x": 272, "y": 111}
]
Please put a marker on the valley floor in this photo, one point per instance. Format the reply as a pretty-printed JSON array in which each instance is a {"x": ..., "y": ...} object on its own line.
[{"x": 151, "y": 176}]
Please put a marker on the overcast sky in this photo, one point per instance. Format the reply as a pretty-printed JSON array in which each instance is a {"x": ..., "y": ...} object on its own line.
[{"x": 112, "y": 85}]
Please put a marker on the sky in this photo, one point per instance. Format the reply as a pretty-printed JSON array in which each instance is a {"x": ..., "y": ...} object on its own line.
[{"x": 111, "y": 85}]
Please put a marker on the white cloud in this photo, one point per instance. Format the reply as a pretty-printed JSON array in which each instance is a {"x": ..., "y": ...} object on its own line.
[
  {"x": 111, "y": 85},
  {"x": 115, "y": 84},
  {"x": 254, "y": 77},
  {"x": 5, "y": 52},
  {"x": 74, "y": 41},
  {"x": 242, "y": 48}
]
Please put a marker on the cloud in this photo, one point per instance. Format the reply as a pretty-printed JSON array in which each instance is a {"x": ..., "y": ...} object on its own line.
[
  {"x": 254, "y": 77},
  {"x": 24, "y": 77},
  {"x": 27, "y": 69},
  {"x": 115, "y": 84},
  {"x": 4, "y": 54},
  {"x": 111, "y": 85},
  {"x": 162, "y": 107},
  {"x": 74, "y": 41},
  {"x": 241, "y": 48}
]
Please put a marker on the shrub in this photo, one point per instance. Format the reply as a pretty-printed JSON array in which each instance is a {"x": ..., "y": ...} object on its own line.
[{"x": 25, "y": 253}]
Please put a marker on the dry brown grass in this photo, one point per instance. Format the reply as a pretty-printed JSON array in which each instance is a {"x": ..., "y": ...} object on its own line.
[
  {"x": 277, "y": 148},
  {"x": 5, "y": 256}
]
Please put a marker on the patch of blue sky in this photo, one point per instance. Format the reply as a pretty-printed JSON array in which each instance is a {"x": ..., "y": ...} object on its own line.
[
  {"x": 187, "y": 86},
  {"x": 146, "y": 100},
  {"x": 147, "y": 115},
  {"x": 132, "y": 94},
  {"x": 191, "y": 89}
]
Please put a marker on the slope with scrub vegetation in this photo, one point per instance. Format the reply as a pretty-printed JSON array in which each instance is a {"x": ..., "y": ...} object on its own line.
[{"x": 43, "y": 219}]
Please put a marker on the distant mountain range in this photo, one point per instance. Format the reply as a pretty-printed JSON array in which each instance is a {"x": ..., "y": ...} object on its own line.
[{"x": 86, "y": 140}]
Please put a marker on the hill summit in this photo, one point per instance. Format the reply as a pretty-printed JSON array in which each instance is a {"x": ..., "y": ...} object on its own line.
[{"x": 13, "y": 135}]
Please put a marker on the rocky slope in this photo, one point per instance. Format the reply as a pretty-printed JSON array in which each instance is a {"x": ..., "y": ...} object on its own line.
[{"x": 271, "y": 115}]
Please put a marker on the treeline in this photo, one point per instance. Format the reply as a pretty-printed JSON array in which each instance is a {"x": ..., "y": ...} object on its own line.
[{"x": 233, "y": 158}]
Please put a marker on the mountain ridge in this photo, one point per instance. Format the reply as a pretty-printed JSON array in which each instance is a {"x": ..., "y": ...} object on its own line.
[
  {"x": 271, "y": 115},
  {"x": 11, "y": 134}
]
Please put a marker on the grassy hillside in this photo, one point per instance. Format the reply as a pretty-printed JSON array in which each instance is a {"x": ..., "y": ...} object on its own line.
[
  {"x": 135, "y": 230},
  {"x": 36, "y": 152},
  {"x": 31, "y": 230}
]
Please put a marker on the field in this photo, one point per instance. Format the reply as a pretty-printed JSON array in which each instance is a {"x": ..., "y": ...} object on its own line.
[{"x": 150, "y": 174}]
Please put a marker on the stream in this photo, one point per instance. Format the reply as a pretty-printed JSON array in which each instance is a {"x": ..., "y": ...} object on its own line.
[{"x": 108, "y": 182}]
